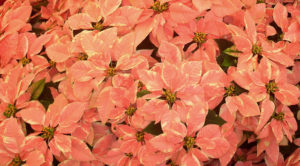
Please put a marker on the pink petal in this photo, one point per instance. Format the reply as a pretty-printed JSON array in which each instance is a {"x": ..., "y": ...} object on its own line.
[
  {"x": 80, "y": 70},
  {"x": 34, "y": 114},
  {"x": 80, "y": 21},
  {"x": 266, "y": 75},
  {"x": 53, "y": 112},
  {"x": 124, "y": 46},
  {"x": 248, "y": 106},
  {"x": 297, "y": 141},
  {"x": 8, "y": 48},
  {"x": 176, "y": 10},
  {"x": 93, "y": 9},
  {"x": 119, "y": 97},
  {"x": 242, "y": 78},
  {"x": 126, "y": 132},
  {"x": 127, "y": 62},
  {"x": 196, "y": 118},
  {"x": 270, "y": 30},
  {"x": 80, "y": 151},
  {"x": 22, "y": 46},
  {"x": 209, "y": 131},
  {"x": 109, "y": 6},
  {"x": 20, "y": 13},
  {"x": 103, "y": 145},
  {"x": 69, "y": 163},
  {"x": 24, "y": 84},
  {"x": 250, "y": 27},
  {"x": 292, "y": 34},
  {"x": 173, "y": 127},
  {"x": 242, "y": 44},
  {"x": 142, "y": 30},
  {"x": 199, "y": 154},
  {"x": 37, "y": 45},
  {"x": 173, "y": 77},
  {"x": 237, "y": 31},
  {"x": 72, "y": 113},
  {"x": 280, "y": 16},
  {"x": 82, "y": 90},
  {"x": 161, "y": 143},
  {"x": 102, "y": 42},
  {"x": 288, "y": 94},
  {"x": 273, "y": 150},
  {"x": 151, "y": 79},
  {"x": 13, "y": 136},
  {"x": 194, "y": 71},
  {"x": 14, "y": 26},
  {"x": 104, "y": 104},
  {"x": 281, "y": 58},
  {"x": 277, "y": 130},
  {"x": 190, "y": 160},
  {"x": 202, "y": 5},
  {"x": 170, "y": 53},
  {"x": 221, "y": 148},
  {"x": 58, "y": 52},
  {"x": 63, "y": 143},
  {"x": 35, "y": 158},
  {"x": 267, "y": 109}
]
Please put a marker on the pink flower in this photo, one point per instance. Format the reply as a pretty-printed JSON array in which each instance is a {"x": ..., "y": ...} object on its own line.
[
  {"x": 14, "y": 95},
  {"x": 282, "y": 121},
  {"x": 60, "y": 119},
  {"x": 253, "y": 43},
  {"x": 14, "y": 151}
]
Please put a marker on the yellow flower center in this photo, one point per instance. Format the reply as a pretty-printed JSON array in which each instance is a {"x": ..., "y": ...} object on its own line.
[
  {"x": 260, "y": 1},
  {"x": 241, "y": 158},
  {"x": 130, "y": 111},
  {"x": 230, "y": 91},
  {"x": 83, "y": 56},
  {"x": 271, "y": 87},
  {"x": 52, "y": 63},
  {"x": 25, "y": 61},
  {"x": 256, "y": 49},
  {"x": 129, "y": 155},
  {"x": 173, "y": 164},
  {"x": 279, "y": 116},
  {"x": 16, "y": 161},
  {"x": 10, "y": 111},
  {"x": 140, "y": 85},
  {"x": 170, "y": 97},
  {"x": 200, "y": 37},
  {"x": 140, "y": 136},
  {"x": 47, "y": 133},
  {"x": 111, "y": 71},
  {"x": 157, "y": 7},
  {"x": 99, "y": 26},
  {"x": 189, "y": 142}
]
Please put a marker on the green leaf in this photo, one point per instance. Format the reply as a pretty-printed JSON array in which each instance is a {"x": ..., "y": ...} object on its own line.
[
  {"x": 227, "y": 55},
  {"x": 223, "y": 44},
  {"x": 46, "y": 97},
  {"x": 154, "y": 129},
  {"x": 46, "y": 103},
  {"x": 37, "y": 88},
  {"x": 213, "y": 118},
  {"x": 229, "y": 61},
  {"x": 232, "y": 51},
  {"x": 142, "y": 93}
]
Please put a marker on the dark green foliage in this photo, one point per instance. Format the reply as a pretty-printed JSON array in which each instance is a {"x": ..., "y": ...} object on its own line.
[
  {"x": 154, "y": 129},
  {"x": 213, "y": 118},
  {"x": 142, "y": 93},
  {"x": 36, "y": 89}
]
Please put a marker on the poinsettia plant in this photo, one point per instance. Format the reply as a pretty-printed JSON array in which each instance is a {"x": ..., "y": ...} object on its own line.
[{"x": 149, "y": 82}]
